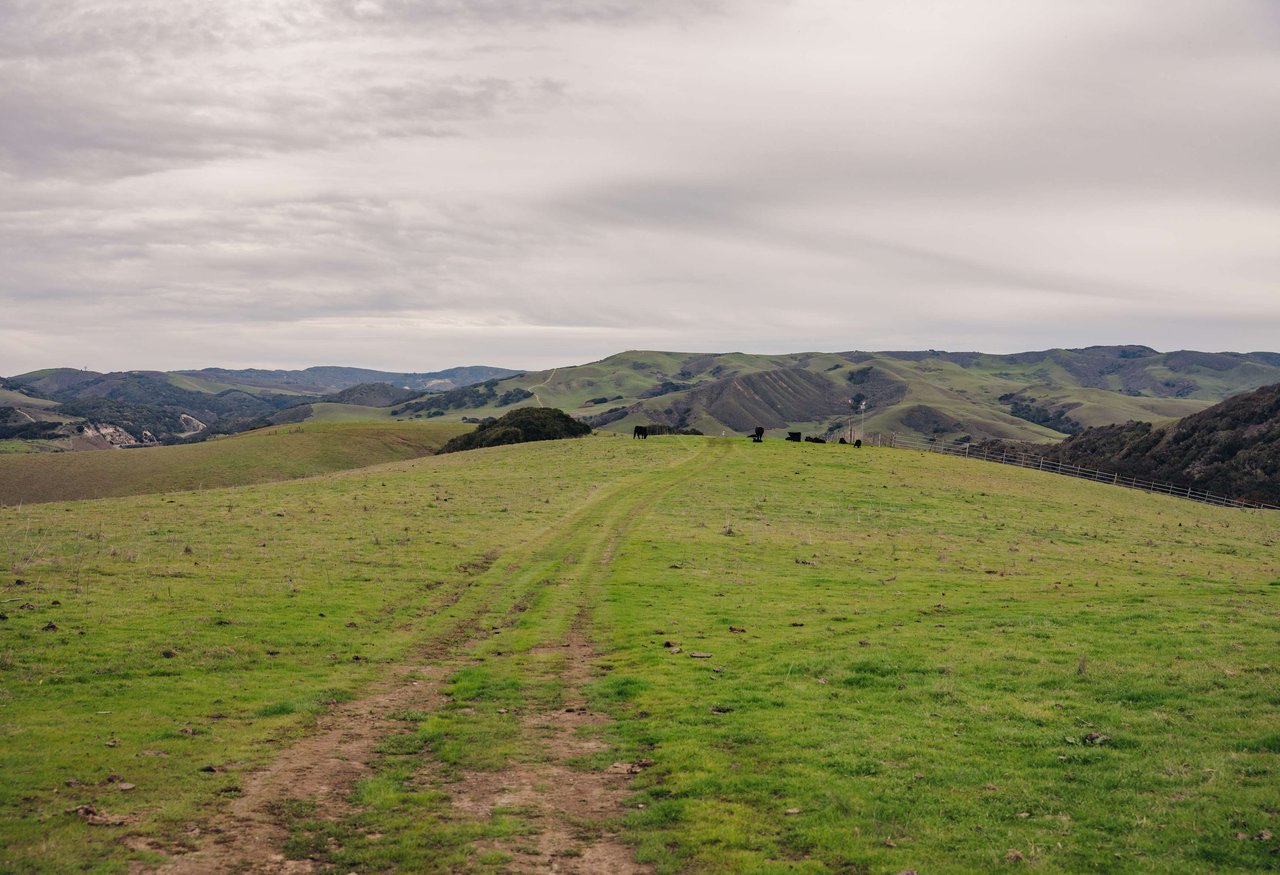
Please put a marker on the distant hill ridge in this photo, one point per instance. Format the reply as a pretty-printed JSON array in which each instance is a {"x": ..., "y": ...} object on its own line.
[
  {"x": 324, "y": 380},
  {"x": 1037, "y": 396},
  {"x": 952, "y": 397},
  {"x": 64, "y": 406}
]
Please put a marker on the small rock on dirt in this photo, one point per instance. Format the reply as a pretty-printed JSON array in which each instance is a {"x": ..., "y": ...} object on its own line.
[
  {"x": 697, "y": 654},
  {"x": 93, "y": 816},
  {"x": 792, "y": 811}
]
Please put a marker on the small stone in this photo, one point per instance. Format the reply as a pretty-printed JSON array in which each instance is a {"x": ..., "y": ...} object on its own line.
[
  {"x": 115, "y": 742},
  {"x": 125, "y": 786},
  {"x": 697, "y": 654},
  {"x": 823, "y": 681},
  {"x": 1014, "y": 856},
  {"x": 737, "y": 629},
  {"x": 49, "y": 627},
  {"x": 792, "y": 811}
]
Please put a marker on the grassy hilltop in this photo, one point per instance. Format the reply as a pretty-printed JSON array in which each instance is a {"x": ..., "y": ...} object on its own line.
[{"x": 783, "y": 658}]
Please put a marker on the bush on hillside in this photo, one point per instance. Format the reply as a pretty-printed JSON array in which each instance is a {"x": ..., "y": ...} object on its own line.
[{"x": 520, "y": 426}]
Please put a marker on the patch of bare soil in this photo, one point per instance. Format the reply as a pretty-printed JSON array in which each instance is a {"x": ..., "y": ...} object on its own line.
[
  {"x": 577, "y": 813},
  {"x": 321, "y": 768}
]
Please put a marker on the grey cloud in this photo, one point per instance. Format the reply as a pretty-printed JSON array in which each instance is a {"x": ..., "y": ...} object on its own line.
[
  {"x": 79, "y": 128},
  {"x": 561, "y": 179}
]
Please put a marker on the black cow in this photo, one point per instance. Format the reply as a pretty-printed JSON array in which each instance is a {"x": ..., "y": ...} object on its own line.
[
  {"x": 640, "y": 431},
  {"x": 793, "y": 436},
  {"x": 758, "y": 437},
  {"x": 814, "y": 440},
  {"x": 857, "y": 443}
]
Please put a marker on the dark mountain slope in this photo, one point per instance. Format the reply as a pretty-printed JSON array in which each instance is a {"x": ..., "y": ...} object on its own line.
[{"x": 1231, "y": 449}]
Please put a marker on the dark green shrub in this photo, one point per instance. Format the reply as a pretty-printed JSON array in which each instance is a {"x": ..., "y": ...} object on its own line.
[{"x": 520, "y": 426}]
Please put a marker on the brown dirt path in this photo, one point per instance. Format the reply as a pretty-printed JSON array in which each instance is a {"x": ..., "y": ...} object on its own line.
[
  {"x": 322, "y": 766},
  {"x": 577, "y": 812}
]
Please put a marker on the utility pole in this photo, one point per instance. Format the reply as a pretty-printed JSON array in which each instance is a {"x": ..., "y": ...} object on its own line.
[{"x": 863, "y": 429}]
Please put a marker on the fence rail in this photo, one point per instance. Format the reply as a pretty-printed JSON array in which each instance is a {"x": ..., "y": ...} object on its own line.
[{"x": 1040, "y": 463}]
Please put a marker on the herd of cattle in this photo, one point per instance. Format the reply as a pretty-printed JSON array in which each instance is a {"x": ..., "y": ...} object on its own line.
[{"x": 757, "y": 437}]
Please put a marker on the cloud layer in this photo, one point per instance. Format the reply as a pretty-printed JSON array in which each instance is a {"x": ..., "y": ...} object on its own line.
[{"x": 415, "y": 185}]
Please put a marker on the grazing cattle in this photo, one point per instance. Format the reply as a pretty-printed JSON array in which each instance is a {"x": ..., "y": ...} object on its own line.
[
  {"x": 758, "y": 437},
  {"x": 858, "y": 442},
  {"x": 793, "y": 436},
  {"x": 843, "y": 441},
  {"x": 640, "y": 431},
  {"x": 814, "y": 440}
]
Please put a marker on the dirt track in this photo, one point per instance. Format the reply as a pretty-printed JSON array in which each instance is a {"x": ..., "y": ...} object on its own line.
[{"x": 576, "y": 812}]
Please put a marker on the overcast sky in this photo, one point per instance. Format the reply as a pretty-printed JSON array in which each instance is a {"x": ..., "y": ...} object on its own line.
[{"x": 416, "y": 184}]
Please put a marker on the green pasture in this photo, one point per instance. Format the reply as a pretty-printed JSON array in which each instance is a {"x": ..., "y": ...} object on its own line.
[
  {"x": 277, "y": 453},
  {"x": 905, "y": 661}
]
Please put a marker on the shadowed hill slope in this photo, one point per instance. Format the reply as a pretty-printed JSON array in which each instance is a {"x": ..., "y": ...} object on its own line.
[{"x": 1230, "y": 449}]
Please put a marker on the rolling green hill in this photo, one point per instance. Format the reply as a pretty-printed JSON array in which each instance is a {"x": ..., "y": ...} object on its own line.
[
  {"x": 690, "y": 654},
  {"x": 278, "y": 453},
  {"x": 947, "y": 396}
]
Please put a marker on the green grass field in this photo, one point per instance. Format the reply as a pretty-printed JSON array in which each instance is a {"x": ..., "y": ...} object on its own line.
[
  {"x": 277, "y": 453},
  {"x": 820, "y": 659}
]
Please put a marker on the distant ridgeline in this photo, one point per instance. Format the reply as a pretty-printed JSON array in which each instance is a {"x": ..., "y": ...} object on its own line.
[
  {"x": 1231, "y": 449},
  {"x": 88, "y": 409},
  {"x": 945, "y": 396},
  {"x": 954, "y": 398}
]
